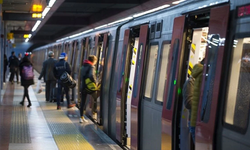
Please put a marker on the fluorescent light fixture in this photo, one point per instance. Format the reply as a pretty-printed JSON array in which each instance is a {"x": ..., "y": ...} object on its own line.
[
  {"x": 30, "y": 35},
  {"x": 75, "y": 35},
  {"x": 51, "y": 3},
  {"x": 150, "y": 11},
  {"x": 27, "y": 40},
  {"x": 87, "y": 31},
  {"x": 101, "y": 26},
  {"x": 177, "y": 2},
  {"x": 125, "y": 19},
  {"x": 45, "y": 11},
  {"x": 62, "y": 39},
  {"x": 36, "y": 25}
]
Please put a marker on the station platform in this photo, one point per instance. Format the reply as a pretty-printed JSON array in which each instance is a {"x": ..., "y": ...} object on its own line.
[{"x": 43, "y": 127}]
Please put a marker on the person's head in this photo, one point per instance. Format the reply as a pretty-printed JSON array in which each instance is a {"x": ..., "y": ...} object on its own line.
[
  {"x": 13, "y": 53},
  {"x": 51, "y": 54},
  {"x": 20, "y": 55},
  {"x": 26, "y": 59},
  {"x": 63, "y": 56},
  {"x": 93, "y": 59},
  {"x": 246, "y": 57}
]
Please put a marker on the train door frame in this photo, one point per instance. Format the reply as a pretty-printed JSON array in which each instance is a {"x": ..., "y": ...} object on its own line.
[
  {"x": 136, "y": 99},
  {"x": 96, "y": 50},
  {"x": 170, "y": 119}
]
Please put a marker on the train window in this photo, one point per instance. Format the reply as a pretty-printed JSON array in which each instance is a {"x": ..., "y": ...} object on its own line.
[
  {"x": 152, "y": 58},
  {"x": 138, "y": 65},
  {"x": 163, "y": 72},
  {"x": 120, "y": 83},
  {"x": 238, "y": 96}
]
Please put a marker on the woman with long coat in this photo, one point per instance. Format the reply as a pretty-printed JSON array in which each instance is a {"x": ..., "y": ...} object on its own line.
[{"x": 26, "y": 81}]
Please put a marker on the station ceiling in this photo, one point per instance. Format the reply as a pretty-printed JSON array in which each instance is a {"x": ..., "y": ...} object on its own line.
[{"x": 68, "y": 16}]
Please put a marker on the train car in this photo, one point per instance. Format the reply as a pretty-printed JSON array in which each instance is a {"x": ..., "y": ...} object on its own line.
[{"x": 144, "y": 62}]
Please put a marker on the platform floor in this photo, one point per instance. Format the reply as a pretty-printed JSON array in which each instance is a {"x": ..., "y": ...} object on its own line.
[{"x": 43, "y": 127}]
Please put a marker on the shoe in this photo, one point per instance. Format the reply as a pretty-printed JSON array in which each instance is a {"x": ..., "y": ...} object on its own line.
[
  {"x": 29, "y": 105},
  {"x": 21, "y": 103},
  {"x": 83, "y": 119},
  {"x": 12, "y": 82},
  {"x": 58, "y": 107},
  {"x": 71, "y": 105},
  {"x": 94, "y": 115}
]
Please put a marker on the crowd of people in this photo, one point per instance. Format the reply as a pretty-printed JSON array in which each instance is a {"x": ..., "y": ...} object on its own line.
[{"x": 52, "y": 72}]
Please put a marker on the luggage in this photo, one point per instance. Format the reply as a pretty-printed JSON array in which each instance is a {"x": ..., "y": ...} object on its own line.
[{"x": 67, "y": 80}]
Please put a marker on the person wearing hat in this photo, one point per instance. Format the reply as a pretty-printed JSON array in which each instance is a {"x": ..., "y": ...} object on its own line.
[
  {"x": 48, "y": 75},
  {"x": 61, "y": 67}
]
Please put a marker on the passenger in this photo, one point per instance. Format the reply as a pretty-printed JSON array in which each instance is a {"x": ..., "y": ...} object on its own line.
[
  {"x": 61, "y": 67},
  {"x": 88, "y": 71},
  {"x": 197, "y": 75},
  {"x": 13, "y": 64},
  {"x": 243, "y": 95},
  {"x": 48, "y": 76},
  {"x": 27, "y": 78},
  {"x": 5, "y": 67}
]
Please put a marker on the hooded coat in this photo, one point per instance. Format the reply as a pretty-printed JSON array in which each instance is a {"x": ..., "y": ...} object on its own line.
[
  {"x": 197, "y": 74},
  {"x": 87, "y": 71}
]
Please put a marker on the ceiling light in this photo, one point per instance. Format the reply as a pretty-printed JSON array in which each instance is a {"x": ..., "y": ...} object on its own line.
[
  {"x": 45, "y": 11},
  {"x": 51, "y": 3},
  {"x": 125, "y": 19},
  {"x": 36, "y": 25},
  {"x": 150, "y": 11},
  {"x": 27, "y": 40},
  {"x": 87, "y": 31},
  {"x": 101, "y": 26},
  {"x": 177, "y": 2}
]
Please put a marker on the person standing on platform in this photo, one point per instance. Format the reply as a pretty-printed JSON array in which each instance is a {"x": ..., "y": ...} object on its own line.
[
  {"x": 13, "y": 64},
  {"x": 61, "y": 67},
  {"x": 88, "y": 71},
  {"x": 48, "y": 75},
  {"x": 27, "y": 78},
  {"x": 5, "y": 63}
]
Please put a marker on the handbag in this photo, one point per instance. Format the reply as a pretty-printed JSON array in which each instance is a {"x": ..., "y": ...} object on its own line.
[
  {"x": 67, "y": 80},
  {"x": 90, "y": 86}
]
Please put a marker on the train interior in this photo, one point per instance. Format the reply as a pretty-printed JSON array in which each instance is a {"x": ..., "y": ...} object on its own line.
[{"x": 195, "y": 51}]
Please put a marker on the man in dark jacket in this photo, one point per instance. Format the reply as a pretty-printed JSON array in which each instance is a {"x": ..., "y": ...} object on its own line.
[
  {"x": 88, "y": 71},
  {"x": 48, "y": 76},
  {"x": 61, "y": 67},
  {"x": 13, "y": 64}
]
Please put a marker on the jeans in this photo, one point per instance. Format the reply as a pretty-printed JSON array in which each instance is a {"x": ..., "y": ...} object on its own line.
[
  {"x": 84, "y": 102},
  {"x": 60, "y": 94},
  {"x": 192, "y": 131}
]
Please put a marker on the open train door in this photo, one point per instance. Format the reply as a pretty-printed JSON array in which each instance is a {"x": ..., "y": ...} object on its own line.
[
  {"x": 171, "y": 89},
  {"x": 135, "y": 103},
  {"x": 206, "y": 117}
]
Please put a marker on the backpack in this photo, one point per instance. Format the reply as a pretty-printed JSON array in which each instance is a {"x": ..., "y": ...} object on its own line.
[{"x": 27, "y": 72}]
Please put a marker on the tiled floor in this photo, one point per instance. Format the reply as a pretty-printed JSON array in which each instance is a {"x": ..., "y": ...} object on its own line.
[{"x": 42, "y": 127}]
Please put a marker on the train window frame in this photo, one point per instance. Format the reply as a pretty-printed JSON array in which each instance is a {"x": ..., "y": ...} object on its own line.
[
  {"x": 146, "y": 71},
  {"x": 227, "y": 83},
  {"x": 123, "y": 66},
  {"x": 158, "y": 77},
  {"x": 137, "y": 73}
]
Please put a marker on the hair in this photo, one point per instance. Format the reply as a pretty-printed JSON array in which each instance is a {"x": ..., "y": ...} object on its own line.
[
  {"x": 51, "y": 54},
  {"x": 92, "y": 58},
  {"x": 12, "y": 52},
  {"x": 26, "y": 59}
]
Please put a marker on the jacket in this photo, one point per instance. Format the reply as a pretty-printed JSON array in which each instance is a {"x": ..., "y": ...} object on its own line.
[
  {"x": 25, "y": 82},
  {"x": 187, "y": 92},
  {"x": 87, "y": 71},
  {"x": 197, "y": 74},
  {"x": 47, "y": 70},
  {"x": 60, "y": 67},
  {"x": 13, "y": 63}
]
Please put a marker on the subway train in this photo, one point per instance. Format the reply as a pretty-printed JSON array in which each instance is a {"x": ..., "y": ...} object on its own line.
[{"x": 143, "y": 62}]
